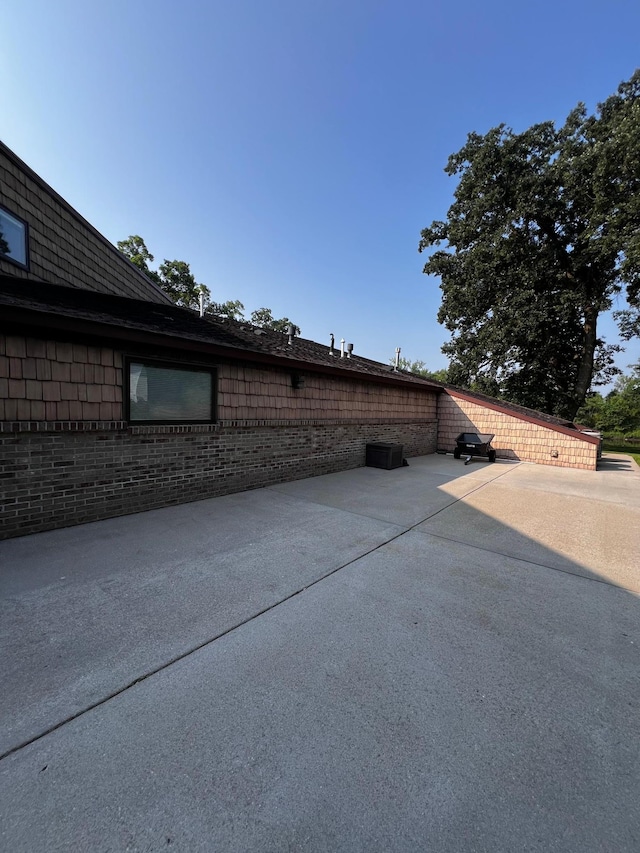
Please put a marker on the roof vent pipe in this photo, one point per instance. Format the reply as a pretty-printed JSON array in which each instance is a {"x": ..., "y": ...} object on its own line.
[
  {"x": 202, "y": 303},
  {"x": 349, "y": 350},
  {"x": 397, "y": 364},
  {"x": 342, "y": 343},
  {"x": 331, "y": 349},
  {"x": 291, "y": 330}
]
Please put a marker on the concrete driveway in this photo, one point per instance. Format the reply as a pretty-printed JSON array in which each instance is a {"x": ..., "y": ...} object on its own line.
[{"x": 438, "y": 658}]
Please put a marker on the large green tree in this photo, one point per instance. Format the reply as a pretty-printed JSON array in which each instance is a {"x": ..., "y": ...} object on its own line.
[
  {"x": 178, "y": 282},
  {"x": 542, "y": 235},
  {"x": 263, "y": 317},
  {"x": 174, "y": 277},
  {"x": 134, "y": 248},
  {"x": 232, "y": 309}
]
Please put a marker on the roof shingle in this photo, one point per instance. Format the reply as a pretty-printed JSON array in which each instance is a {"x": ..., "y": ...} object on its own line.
[{"x": 184, "y": 324}]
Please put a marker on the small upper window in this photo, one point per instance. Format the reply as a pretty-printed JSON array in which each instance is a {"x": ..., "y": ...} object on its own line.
[
  {"x": 13, "y": 238},
  {"x": 167, "y": 393}
]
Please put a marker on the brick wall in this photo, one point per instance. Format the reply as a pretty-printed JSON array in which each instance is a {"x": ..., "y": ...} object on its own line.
[
  {"x": 514, "y": 437},
  {"x": 63, "y": 247},
  {"x": 53, "y": 480}
]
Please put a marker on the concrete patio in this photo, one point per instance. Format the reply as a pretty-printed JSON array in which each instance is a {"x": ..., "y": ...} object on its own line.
[{"x": 437, "y": 658}]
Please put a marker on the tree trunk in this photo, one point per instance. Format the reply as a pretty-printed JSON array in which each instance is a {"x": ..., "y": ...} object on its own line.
[{"x": 585, "y": 368}]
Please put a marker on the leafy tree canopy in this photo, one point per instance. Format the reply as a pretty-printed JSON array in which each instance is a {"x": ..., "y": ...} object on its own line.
[
  {"x": 134, "y": 248},
  {"x": 174, "y": 277},
  {"x": 233, "y": 309},
  {"x": 264, "y": 318},
  {"x": 542, "y": 235},
  {"x": 178, "y": 282}
]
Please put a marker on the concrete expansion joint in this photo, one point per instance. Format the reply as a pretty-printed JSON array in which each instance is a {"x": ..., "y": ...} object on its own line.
[
  {"x": 177, "y": 658},
  {"x": 529, "y": 562},
  {"x": 410, "y": 527}
]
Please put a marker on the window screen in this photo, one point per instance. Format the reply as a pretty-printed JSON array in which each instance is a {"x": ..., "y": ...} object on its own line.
[
  {"x": 161, "y": 393},
  {"x": 13, "y": 238}
]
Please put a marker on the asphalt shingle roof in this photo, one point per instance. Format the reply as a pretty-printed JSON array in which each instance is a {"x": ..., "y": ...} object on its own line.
[{"x": 184, "y": 324}]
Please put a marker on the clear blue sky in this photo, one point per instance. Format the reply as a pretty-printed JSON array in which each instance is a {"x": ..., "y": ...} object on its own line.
[{"x": 292, "y": 150}]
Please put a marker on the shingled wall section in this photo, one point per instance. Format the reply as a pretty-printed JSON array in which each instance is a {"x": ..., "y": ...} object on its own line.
[
  {"x": 63, "y": 246},
  {"x": 515, "y": 437}
]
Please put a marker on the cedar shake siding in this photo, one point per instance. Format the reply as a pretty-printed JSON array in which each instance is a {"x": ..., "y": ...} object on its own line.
[
  {"x": 517, "y": 436},
  {"x": 253, "y": 394},
  {"x": 64, "y": 247},
  {"x": 47, "y": 380}
]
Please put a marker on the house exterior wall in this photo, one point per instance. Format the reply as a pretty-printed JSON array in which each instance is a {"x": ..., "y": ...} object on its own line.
[
  {"x": 515, "y": 438},
  {"x": 252, "y": 393},
  {"x": 57, "y": 479},
  {"x": 47, "y": 380},
  {"x": 63, "y": 247},
  {"x": 67, "y": 456}
]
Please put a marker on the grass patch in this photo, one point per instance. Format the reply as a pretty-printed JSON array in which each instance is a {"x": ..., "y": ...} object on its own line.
[{"x": 619, "y": 447}]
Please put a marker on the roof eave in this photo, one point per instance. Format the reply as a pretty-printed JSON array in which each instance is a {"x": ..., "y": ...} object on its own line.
[
  {"x": 34, "y": 176},
  {"x": 60, "y": 323}
]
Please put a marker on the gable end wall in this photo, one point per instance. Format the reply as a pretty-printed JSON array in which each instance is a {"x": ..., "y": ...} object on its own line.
[
  {"x": 515, "y": 438},
  {"x": 63, "y": 247}
]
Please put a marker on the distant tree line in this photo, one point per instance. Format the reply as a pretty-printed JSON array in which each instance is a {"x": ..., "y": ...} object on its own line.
[
  {"x": 617, "y": 413},
  {"x": 178, "y": 282},
  {"x": 420, "y": 369}
]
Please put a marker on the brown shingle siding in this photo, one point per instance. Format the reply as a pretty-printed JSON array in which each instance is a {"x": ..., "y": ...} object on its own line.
[
  {"x": 515, "y": 438},
  {"x": 36, "y": 348},
  {"x": 184, "y": 330},
  {"x": 43, "y": 368},
  {"x": 75, "y": 372},
  {"x": 49, "y": 386},
  {"x": 64, "y": 247},
  {"x": 17, "y": 389},
  {"x": 16, "y": 347},
  {"x": 268, "y": 394},
  {"x": 90, "y": 466}
]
